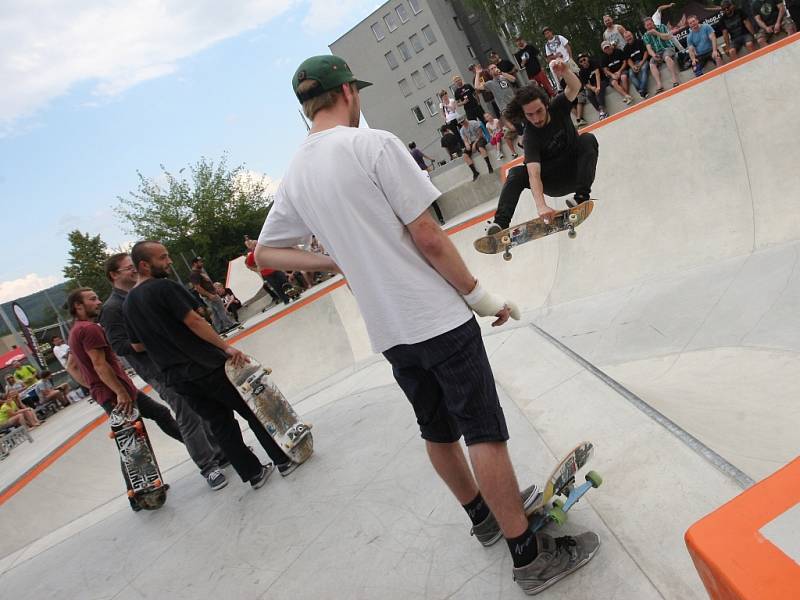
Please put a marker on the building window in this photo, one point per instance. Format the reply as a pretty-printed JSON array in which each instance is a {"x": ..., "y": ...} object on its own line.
[
  {"x": 417, "y": 79},
  {"x": 431, "y": 106},
  {"x": 428, "y": 33},
  {"x": 378, "y": 31},
  {"x": 404, "y": 51},
  {"x": 444, "y": 66},
  {"x": 391, "y": 22},
  {"x": 402, "y": 13},
  {"x": 428, "y": 68},
  {"x": 471, "y": 52},
  {"x": 418, "y": 114},
  {"x": 415, "y": 6},
  {"x": 404, "y": 87},
  {"x": 391, "y": 59},
  {"x": 415, "y": 43},
  {"x": 458, "y": 24}
]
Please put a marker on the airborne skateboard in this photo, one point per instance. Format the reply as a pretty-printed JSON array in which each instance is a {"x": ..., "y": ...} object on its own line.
[
  {"x": 272, "y": 409},
  {"x": 562, "y": 483},
  {"x": 138, "y": 460},
  {"x": 563, "y": 220}
]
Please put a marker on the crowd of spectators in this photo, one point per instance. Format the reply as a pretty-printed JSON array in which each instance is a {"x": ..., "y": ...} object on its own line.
[{"x": 624, "y": 61}]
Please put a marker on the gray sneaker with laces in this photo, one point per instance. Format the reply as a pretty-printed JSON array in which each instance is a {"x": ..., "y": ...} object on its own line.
[
  {"x": 216, "y": 479},
  {"x": 557, "y": 558},
  {"x": 488, "y": 531}
]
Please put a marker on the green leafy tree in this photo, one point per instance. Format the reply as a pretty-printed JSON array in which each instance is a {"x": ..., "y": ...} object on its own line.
[
  {"x": 580, "y": 21},
  {"x": 87, "y": 256},
  {"x": 207, "y": 209}
]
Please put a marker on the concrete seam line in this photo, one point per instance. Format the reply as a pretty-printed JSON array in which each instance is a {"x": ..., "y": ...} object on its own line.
[{"x": 740, "y": 477}]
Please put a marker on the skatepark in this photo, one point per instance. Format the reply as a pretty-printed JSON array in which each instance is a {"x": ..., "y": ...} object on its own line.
[{"x": 666, "y": 333}]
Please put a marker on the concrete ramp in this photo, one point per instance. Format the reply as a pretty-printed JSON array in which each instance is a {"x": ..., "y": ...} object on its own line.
[{"x": 245, "y": 284}]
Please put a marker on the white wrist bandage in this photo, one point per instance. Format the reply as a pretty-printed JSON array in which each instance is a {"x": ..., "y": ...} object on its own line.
[{"x": 486, "y": 304}]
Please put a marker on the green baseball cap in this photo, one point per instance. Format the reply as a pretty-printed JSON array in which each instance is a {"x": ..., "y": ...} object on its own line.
[{"x": 328, "y": 70}]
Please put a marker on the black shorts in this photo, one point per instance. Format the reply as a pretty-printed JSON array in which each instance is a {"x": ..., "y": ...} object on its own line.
[
  {"x": 450, "y": 384},
  {"x": 480, "y": 143}
]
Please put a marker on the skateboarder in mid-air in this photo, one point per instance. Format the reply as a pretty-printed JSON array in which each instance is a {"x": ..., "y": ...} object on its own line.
[
  {"x": 362, "y": 194},
  {"x": 557, "y": 161}
]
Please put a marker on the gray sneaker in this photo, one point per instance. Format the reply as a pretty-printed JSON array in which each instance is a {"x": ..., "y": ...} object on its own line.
[
  {"x": 216, "y": 479},
  {"x": 488, "y": 531},
  {"x": 557, "y": 558},
  {"x": 263, "y": 475}
]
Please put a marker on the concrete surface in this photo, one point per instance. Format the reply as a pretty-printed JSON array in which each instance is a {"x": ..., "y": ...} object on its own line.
[{"x": 682, "y": 286}]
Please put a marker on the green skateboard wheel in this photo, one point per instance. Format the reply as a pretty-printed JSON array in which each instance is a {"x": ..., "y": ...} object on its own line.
[{"x": 594, "y": 478}]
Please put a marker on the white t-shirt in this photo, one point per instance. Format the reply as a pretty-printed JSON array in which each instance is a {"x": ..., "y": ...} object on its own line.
[
  {"x": 558, "y": 45},
  {"x": 61, "y": 352},
  {"x": 356, "y": 189},
  {"x": 450, "y": 110}
]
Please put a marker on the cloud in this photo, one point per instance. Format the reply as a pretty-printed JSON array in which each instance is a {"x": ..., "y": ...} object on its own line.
[
  {"x": 30, "y": 283},
  {"x": 326, "y": 15},
  {"x": 48, "y": 46}
]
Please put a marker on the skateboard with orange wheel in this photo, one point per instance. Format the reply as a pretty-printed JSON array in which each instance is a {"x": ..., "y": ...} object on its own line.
[{"x": 145, "y": 483}]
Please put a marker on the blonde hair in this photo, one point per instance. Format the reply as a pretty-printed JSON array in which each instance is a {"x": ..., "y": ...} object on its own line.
[{"x": 325, "y": 100}]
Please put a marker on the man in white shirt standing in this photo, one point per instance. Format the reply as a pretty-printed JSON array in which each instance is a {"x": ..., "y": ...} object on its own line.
[
  {"x": 60, "y": 350},
  {"x": 556, "y": 47},
  {"x": 367, "y": 201}
]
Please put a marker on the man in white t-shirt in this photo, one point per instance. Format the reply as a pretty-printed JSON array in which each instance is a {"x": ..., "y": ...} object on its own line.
[
  {"x": 360, "y": 189},
  {"x": 556, "y": 47},
  {"x": 60, "y": 350}
]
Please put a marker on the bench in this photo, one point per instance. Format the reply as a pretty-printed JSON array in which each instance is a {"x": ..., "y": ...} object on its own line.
[{"x": 12, "y": 436}]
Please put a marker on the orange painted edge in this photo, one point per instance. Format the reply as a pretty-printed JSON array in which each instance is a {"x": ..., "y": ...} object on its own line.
[
  {"x": 726, "y": 541},
  {"x": 743, "y": 60},
  {"x": 48, "y": 460}
]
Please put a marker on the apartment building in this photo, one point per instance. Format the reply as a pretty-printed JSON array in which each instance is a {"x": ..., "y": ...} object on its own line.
[{"x": 410, "y": 50}]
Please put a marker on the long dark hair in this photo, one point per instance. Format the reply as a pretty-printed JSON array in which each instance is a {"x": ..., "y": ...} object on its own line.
[{"x": 525, "y": 95}]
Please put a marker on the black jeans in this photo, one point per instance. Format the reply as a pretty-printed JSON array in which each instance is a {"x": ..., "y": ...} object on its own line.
[
  {"x": 275, "y": 282},
  {"x": 573, "y": 174},
  {"x": 598, "y": 100},
  {"x": 215, "y": 399}
]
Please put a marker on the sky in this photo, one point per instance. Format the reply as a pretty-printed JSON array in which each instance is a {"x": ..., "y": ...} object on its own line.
[{"x": 97, "y": 90}]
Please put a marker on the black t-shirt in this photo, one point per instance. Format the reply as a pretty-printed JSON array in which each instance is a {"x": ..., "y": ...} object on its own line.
[
  {"x": 198, "y": 278},
  {"x": 154, "y": 313},
  {"x": 532, "y": 67},
  {"x": 587, "y": 74},
  {"x": 467, "y": 93},
  {"x": 635, "y": 51},
  {"x": 554, "y": 141},
  {"x": 614, "y": 61},
  {"x": 506, "y": 66},
  {"x": 768, "y": 9},
  {"x": 450, "y": 141},
  {"x": 734, "y": 23}
]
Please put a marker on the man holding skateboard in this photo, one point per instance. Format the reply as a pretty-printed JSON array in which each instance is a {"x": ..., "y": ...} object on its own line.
[
  {"x": 161, "y": 319},
  {"x": 99, "y": 369},
  {"x": 558, "y": 161},
  {"x": 418, "y": 308}
]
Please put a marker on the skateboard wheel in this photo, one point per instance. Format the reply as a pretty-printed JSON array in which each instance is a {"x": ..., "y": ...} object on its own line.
[
  {"x": 112, "y": 435},
  {"x": 594, "y": 478},
  {"x": 506, "y": 255},
  {"x": 505, "y": 239},
  {"x": 558, "y": 503},
  {"x": 571, "y": 234},
  {"x": 557, "y": 515},
  {"x": 573, "y": 218},
  {"x": 130, "y": 493},
  {"x": 138, "y": 426}
]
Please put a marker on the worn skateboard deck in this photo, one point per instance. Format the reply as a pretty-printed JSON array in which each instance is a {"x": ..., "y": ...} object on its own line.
[
  {"x": 138, "y": 460},
  {"x": 564, "y": 220},
  {"x": 561, "y": 483},
  {"x": 272, "y": 409}
]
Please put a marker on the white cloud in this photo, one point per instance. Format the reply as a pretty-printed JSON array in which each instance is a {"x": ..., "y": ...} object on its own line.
[
  {"x": 47, "y": 47},
  {"x": 30, "y": 283}
]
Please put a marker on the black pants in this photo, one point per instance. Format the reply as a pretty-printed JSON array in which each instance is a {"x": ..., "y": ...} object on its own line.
[
  {"x": 598, "y": 100},
  {"x": 150, "y": 409},
  {"x": 215, "y": 399},
  {"x": 274, "y": 283},
  {"x": 573, "y": 174},
  {"x": 453, "y": 126}
]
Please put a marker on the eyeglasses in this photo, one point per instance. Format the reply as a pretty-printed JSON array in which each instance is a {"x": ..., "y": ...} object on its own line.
[{"x": 128, "y": 268}]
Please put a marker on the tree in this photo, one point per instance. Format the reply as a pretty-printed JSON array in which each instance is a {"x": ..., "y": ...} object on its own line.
[
  {"x": 85, "y": 267},
  {"x": 580, "y": 21},
  {"x": 208, "y": 211}
]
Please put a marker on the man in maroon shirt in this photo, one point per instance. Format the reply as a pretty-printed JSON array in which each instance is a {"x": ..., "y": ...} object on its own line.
[{"x": 102, "y": 372}]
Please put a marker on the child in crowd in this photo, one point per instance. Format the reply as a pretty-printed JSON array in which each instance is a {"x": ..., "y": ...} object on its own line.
[{"x": 495, "y": 129}]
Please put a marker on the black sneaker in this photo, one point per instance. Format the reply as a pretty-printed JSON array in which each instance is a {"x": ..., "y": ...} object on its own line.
[
  {"x": 488, "y": 531},
  {"x": 475, "y": 175},
  {"x": 287, "y": 467},
  {"x": 557, "y": 558},
  {"x": 216, "y": 480},
  {"x": 261, "y": 478}
]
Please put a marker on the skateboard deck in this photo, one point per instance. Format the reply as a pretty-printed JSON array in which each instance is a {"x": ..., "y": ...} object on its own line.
[
  {"x": 562, "y": 483},
  {"x": 139, "y": 463},
  {"x": 564, "y": 220},
  {"x": 291, "y": 291},
  {"x": 272, "y": 409}
]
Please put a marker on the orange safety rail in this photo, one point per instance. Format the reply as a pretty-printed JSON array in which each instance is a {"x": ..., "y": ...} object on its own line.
[{"x": 734, "y": 560}]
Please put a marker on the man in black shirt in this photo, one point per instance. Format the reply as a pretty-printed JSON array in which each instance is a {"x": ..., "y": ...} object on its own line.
[
  {"x": 450, "y": 142},
  {"x": 196, "y": 433},
  {"x": 615, "y": 68},
  {"x": 505, "y": 65},
  {"x": 594, "y": 82},
  {"x": 737, "y": 29},
  {"x": 558, "y": 161},
  {"x": 528, "y": 58},
  {"x": 160, "y": 319},
  {"x": 466, "y": 97},
  {"x": 638, "y": 63}
]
